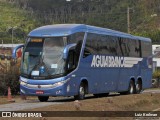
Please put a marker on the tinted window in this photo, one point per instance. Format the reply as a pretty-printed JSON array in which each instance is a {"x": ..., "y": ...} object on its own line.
[
  {"x": 109, "y": 45},
  {"x": 74, "y": 38},
  {"x": 125, "y": 46},
  {"x": 146, "y": 48},
  {"x": 135, "y": 49},
  {"x": 92, "y": 45},
  {"x": 113, "y": 45},
  {"x": 130, "y": 47},
  {"x": 102, "y": 44}
]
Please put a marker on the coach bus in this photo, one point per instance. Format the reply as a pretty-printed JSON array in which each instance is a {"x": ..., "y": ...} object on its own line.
[{"x": 77, "y": 59}]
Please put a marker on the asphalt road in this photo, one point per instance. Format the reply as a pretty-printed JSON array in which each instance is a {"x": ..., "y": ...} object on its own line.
[
  {"x": 30, "y": 104},
  {"x": 25, "y": 105}
]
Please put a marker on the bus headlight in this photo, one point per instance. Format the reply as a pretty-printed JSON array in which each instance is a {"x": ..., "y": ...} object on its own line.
[
  {"x": 23, "y": 83},
  {"x": 60, "y": 83}
]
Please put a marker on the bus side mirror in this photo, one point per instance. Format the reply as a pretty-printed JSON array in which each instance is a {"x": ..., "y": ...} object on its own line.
[
  {"x": 15, "y": 50},
  {"x": 67, "y": 49}
]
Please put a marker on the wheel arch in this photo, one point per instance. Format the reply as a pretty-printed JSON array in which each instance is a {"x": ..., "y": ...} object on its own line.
[
  {"x": 139, "y": 79},
  {"x": 85, "y": 82},
  {"x": 140, "y": 82},
  {"x": 132, "y": 78}
]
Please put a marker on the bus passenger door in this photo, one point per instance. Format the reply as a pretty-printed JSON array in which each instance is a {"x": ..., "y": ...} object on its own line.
[{"x": 71, "y": 62}]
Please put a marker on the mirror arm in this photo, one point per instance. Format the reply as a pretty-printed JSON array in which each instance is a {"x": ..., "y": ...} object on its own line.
[
  {"x": 15, "y": 50},
  {"x": 66, "y": 50}
]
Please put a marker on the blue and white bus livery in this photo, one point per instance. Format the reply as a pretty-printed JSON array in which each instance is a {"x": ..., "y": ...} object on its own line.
[{"x": 77, "y": 59}]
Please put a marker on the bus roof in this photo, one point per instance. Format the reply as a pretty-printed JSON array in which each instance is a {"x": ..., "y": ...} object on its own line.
[{"x": 67, "y": 29}]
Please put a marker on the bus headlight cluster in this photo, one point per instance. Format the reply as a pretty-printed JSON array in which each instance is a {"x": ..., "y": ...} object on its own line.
[
  {"x": 60, "y": 83},
  {"x": 23, "y": 83}
]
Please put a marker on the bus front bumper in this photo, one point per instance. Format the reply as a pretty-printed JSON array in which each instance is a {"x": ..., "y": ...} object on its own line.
[
  {"x": 59, "y": 88},
  {"x": 58, "y": 91}
]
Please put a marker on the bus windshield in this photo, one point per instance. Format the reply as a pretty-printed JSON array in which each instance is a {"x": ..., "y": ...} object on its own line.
[{"x": 42, "y": 57}]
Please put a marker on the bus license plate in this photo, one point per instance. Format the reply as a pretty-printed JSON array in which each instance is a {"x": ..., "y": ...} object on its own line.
[{"x": 39, "y": 92}]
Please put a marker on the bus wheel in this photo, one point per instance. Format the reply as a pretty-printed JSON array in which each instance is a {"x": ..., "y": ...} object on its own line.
[
  {"x": 43, "y": 98},
  {"x": 132, "y": 87},
  {"x": 81, "y": 92},
  {"x": 138, "y": 87}
]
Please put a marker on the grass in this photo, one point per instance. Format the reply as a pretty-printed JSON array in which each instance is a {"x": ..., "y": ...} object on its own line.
[
  {"x": 142, "y": 102},
  {"x": 155, "y": 101}
]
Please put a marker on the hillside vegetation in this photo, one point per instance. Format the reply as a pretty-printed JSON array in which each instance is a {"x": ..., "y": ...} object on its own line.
[
  {"x": 144, "y": 14},
  {"x": 12, "y": 17}
]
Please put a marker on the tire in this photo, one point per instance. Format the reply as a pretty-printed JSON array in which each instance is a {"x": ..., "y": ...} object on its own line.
[
  {"x": 43, "y": 98},
  {"x": 138, "y": 87},
  {"x": 81, "y": 92},
  {"x": 132, "y": 88}
]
